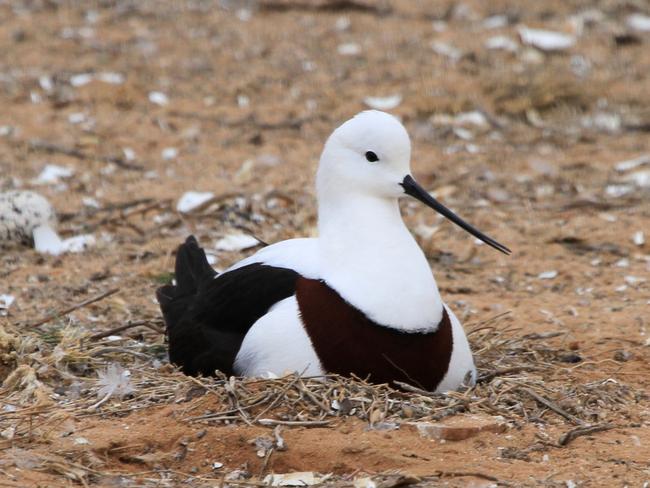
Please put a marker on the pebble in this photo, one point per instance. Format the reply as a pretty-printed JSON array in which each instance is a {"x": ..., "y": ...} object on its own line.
[{"x": 460, "y": 427}]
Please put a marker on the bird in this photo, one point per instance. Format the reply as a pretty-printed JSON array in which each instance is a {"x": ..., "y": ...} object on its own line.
[{"x": 359, "y": 299}]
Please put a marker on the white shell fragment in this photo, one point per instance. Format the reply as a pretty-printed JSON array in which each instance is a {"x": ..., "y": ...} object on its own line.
[
  {"x": 638, "y": 238},
  {"x": 52, "y": 174},
  {"x": 5, "y": 303},
  {"x": 349, "y": 49},
  {"x": 306, "y": 478},
  {"x": 77, "y": 118},
  {"x": 192, "y": 200},
  {"x": 547, "y": 275},
  {"x": 639, "y": 22},
  {"x": 158, "y": 98},
  {"x": 640, "y": 178},
  {"x": 474, "y": 118},
  {"x": 383, "y": 103},
  {"x": 617, "y": 191},
  {"x": 111, "y": 78},
  {"x": 169, "y": 153},
  {"x": 495, "y": 22},
  {"x": 81, "y": 79},
  {"x": 629, "y": 164},
  {"x": 364, "y": 482},
  {"x": 236, "y": 242},
  {"x": 504, "y": 43},
  {"x": 546, "y": 40},
  {"x": 634, "y": 280},
  {"x": 446, "y": 50}
]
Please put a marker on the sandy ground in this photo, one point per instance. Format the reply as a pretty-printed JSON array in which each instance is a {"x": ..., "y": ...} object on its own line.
[{"x": 250, "y": 92}]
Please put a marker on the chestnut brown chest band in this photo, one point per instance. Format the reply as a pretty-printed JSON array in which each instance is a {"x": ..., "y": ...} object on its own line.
[{"x": 347, "y": 342}]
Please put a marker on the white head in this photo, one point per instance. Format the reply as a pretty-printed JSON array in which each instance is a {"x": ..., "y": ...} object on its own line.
[{"x": 369, "y": 156}]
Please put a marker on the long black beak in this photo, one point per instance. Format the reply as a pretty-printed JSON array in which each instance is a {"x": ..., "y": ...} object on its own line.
[{"x": 412, "y": 188}]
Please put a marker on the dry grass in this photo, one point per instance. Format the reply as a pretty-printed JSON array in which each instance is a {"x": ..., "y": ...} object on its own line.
[{"x": 521, "y": 378}]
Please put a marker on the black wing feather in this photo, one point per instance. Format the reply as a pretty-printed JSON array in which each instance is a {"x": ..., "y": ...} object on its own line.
[{"x": 207, "y": 317}]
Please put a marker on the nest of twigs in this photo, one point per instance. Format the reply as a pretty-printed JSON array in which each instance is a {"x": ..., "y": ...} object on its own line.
[{"x": 63, "y": 371}]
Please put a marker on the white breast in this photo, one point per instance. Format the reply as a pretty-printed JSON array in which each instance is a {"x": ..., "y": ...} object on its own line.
[
  {"x": 278, "y": 344},
  {"x": 461, "y": 361}
]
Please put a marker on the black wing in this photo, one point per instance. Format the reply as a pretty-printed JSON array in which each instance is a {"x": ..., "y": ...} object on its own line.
[{"x": 207, "y": 317}]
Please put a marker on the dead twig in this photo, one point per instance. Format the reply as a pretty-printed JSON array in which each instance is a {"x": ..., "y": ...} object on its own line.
[
  {"x": 552, "y": 406},
  {"x": 68, "y": 310},
  {"x": 122, "y": 328},
  {"x": 293, "y": 124},
  {"x": 474, "y": 474},
  {"x": 134, "y": 211},
  {"x": 295, "y": 423},
  {"x": 377, "y": 8},
  {"x": 52, "y": 148},
  {"x": 500, "y": 372},
  {"x": 415, "y": 389},
  {"x": 4, "y": 274},
  {"x": 280, "y": 395},
  {"x": 571, "y": 435}
]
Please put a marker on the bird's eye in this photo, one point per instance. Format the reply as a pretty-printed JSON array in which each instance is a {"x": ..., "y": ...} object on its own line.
[{"x": 371, "y": 156}]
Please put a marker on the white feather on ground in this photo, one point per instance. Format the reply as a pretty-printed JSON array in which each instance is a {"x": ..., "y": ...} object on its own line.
[{"x": 114, "y": 381}]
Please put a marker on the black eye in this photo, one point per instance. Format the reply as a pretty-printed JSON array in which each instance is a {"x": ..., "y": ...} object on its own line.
[{"x": 371, "y": 156}]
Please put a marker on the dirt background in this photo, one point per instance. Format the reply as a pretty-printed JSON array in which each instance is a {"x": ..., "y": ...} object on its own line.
[{"x": 252, "y": 90}]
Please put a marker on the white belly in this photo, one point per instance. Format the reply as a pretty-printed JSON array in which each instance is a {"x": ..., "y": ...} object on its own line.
[
  {"x": 461, "y": 361},
  {"x": 278, "y": 344}
]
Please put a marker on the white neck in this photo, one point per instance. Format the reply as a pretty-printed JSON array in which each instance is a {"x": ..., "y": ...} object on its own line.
[{"x": 371, "y": 259}]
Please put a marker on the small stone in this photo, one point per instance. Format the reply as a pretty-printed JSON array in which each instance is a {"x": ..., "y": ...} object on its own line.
[
  {"x": 571, "y": 358},
  {"x": 623, "y": 356},
  {"x": 460, "y": 427}
]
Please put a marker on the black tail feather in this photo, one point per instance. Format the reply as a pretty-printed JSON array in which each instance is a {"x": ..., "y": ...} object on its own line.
[{"x": 192, "y": 268}]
